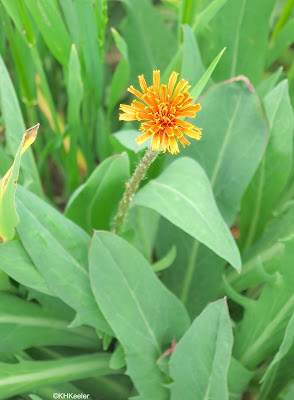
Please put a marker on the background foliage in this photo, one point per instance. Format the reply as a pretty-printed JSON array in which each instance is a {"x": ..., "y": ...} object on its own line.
[{"x": 100, "y": 313}]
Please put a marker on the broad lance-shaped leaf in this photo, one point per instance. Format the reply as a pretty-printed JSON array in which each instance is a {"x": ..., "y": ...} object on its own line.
[
  {"x": 234, "y": 139},
  {"x": 59, "y": 249},
  {"x": 24, "y": 324},
  {"x": 199, "y": 364},
  {"x": 263, "y": 326},
  {"x": 273, "y": 172},
  {"x": 231, "y": 120},
  {"x": 8, "y": 215},
  {"x": 144, "y": 315},
  {"x": 94, "y": 203},
  {"x": 28, "y": 375},
  {"x": 183, "y": 195}
]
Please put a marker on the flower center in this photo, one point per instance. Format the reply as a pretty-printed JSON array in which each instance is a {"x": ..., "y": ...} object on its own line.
[{"x": 165, "y": 114}]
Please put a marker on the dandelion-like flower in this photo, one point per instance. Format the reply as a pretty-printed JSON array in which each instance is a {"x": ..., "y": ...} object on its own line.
[{"x": 163, "y": 111}]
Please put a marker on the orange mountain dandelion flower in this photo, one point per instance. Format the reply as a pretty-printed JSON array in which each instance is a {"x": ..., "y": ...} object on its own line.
[{"x": 163, "y": 108}]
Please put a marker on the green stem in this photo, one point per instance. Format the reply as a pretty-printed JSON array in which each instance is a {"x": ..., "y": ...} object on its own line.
[{"x": 131, "y": 188}]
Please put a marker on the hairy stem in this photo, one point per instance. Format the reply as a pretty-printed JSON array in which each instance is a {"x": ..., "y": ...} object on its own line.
[{"x": 131, "y": 188}]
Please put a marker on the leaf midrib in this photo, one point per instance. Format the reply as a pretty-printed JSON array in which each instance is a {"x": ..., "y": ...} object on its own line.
[
  {"x": 53, "y": 239},
  {"x": 145, "y": 320}
]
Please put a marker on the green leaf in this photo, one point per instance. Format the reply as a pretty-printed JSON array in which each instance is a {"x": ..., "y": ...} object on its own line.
[
  {"x": 195, "y": 274},
  {"x": 29, "y": 375},
  {"x": 238, "y": 379},
  {"x": 189, "y": 204},
  {"x": 18, "y": 14},
  {"x": 141, "y": 227},
  {"x": 52, "y": 28},
  {"x": 203, "y": 18},
  {"x": 150, "y": 43},
  {"x": 267, "y": 251},
  {"x": 145, "y": 325},
  {"x": 59, "y": 249},
  {"x": 191, "y": 57},
  {"x": 281, "y": 42},
  {"x": 198, "y": 88},
  {"x": 14, "y": 129},
  {"x": 5, "y": 161},
  {"x": 94, "y": 203},
  {"x": 18, "y": 265},
  {"x": 262, "y": 329},
  {"x": 74, "y": 88},
  {"x": 121, "y": 74},
  {"x": 127, "y": 138},
  {"x": 89, "y": 50},
  {"x": 75, "y": 95},
  {"x": 166, "y": 261},
  {"x": 245, "y": 38},
  {"x": 24, "y": 325},
  {"x": 199, "y": 364},
  {"x": 8, "y": 215},
  {"x": 233, "y": 125},
  {"x": 118, "y": 359},
  {"x": 269, "y": 83},
  {"x": 274, "y": 170},
  {"x": 270, "y": 376}
]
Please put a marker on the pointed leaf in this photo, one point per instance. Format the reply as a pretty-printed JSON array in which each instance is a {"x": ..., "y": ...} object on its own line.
[
  {"x": 274, "y": 170},
  {"x": 183, "y": 195},
  {"x": 59, "y": 249},
  {"x": 8, "y": 215},
  {"x": 199, "y": 364},
  {"x": 134, "y": 300}
]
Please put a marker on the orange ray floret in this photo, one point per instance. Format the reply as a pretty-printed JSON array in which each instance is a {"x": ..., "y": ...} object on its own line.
[{"x": 162, "y": 107}]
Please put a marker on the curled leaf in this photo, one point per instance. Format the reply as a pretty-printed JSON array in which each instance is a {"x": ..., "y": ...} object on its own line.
[{"x": 8, "y": 215}]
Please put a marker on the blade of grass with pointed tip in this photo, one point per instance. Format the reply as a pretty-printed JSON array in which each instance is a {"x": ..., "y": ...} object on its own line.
[
  {"x": 197, "y": 89},
  {"x": 8, "y": 215}
]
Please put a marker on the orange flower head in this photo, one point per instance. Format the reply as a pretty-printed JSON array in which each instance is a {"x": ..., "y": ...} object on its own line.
[{"x": 162, "y": 107}]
